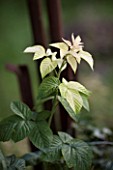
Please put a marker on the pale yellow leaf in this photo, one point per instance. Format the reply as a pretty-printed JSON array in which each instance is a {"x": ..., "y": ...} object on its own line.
[
  {"x": 79, "y": 87},
  {"x": 87, "y": 57},
  {"x": 63, "y": 53},
  {"x": 74, "y": 54},
  {"x": 64, "y": 81},
  {"x": 75, "y": 100},
  {"x": 60, "y": 45},
  {"x": 40, "y": 53},
  {"x": 63, "y": 90},
  {"x": 47, "y": 66},
  {"x": 72, "y": 96},
  {"x": 67, "y": 42},
  {"x": 72, "y": 62},
  {"x": 34, "y": 49},
  {"x": 77, "y": 40}
]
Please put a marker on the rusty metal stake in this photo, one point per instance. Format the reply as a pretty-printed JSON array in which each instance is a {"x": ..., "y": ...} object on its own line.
[{"x": 24, "y": 82}]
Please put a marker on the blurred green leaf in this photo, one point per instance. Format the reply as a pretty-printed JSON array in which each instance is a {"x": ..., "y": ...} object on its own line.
[{"x": 85, "y": 102}]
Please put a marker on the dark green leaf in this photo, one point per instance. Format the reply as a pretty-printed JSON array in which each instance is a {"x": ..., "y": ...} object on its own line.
[
  {"x": 41, "y": 135},
  {"x": 22, "y": 129},
  {"x": 6, "y": 128},
  {"x": 14, "y": 163},
  {"x": 77, "y": 154},
  {"x": 3, "y": 165},
  {"x": 43, "y": 115},
  {"x": 21, "y": 109},
  {"x": 16, "y": 128},
  {"x": 67, "y": 108},
  {"x": 85, "y": 101},
  {"x": 66, "y": 138},
  {"x": 48, "y": 86},
  {"x": 53, "y": 153}
]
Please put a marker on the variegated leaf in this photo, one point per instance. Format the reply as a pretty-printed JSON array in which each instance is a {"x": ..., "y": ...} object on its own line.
[
  {"x": 72, "y": 62},
  {"x": 72, "y": 96},
  {"x": 60, "y": 45},
  {"x": 87, "y": 57},
  {"x": 47, "y": 66},
  {"x": 33, "y": 49}
]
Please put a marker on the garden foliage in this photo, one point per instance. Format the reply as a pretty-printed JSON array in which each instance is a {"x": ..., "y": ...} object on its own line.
[{"x": 60, "y": 148}]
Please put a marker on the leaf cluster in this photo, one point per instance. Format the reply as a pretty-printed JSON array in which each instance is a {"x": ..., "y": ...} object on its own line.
[
  {"x": 72, "y": 95},
  {"x": 25, "y": 123},
  {"x": 75, "y": 153}
]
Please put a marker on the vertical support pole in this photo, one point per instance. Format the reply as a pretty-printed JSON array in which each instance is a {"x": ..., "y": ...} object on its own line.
[
  {"x": 55, "y": 19},
  {"x": 56, "y": 34},
  {"x": 24, "y": 82},
  {"x": 35, "y": 12},
  {"x": 23, "y": 77}
]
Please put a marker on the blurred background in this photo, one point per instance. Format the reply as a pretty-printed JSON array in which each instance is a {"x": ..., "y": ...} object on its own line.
[{"x": 93, "y": 21}]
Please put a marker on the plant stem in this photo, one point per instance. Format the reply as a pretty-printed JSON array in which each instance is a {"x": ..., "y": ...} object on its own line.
[
  {"x": 64, "y": 62},
  {"x": 55, "y": 102},
  {"x": 53, "y": 109}
]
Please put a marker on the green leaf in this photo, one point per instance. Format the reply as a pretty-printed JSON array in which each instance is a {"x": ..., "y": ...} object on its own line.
[
  {"x": 21, "y": 109},
  {"x": 76, "y": 86},
  {"x": 77, "y": 154},
  {"x": 14, "y": 163},
  {"x": 67, "y": 108},
  {"x": 41, "y": 135},
  {"x": 3, "y": 165},
  {"x": 15, "y": 128},
  {"x": 48, "y": 86},
  {"x": 22, "y": 129},
  {"x": 72, "y": 62},
  {"x": 43, "y": 115},
  {"x": 66, "y": 138},
  {"x": 47, "y": 66},
  {"x": 53, "y": 153},
  {"x": 6, "y": 128},
  {"x": 85, "y": 102},
  {"x": 72, "y": 96}
]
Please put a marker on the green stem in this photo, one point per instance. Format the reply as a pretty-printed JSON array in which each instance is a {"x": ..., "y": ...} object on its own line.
[
  {"x": 64, "y": 62},
  {"x": 53, "y": 109},
  {"x": 55, "y": 102}
]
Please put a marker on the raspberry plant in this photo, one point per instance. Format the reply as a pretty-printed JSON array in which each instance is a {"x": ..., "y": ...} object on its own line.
[{"x": 62, "y": 149}]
